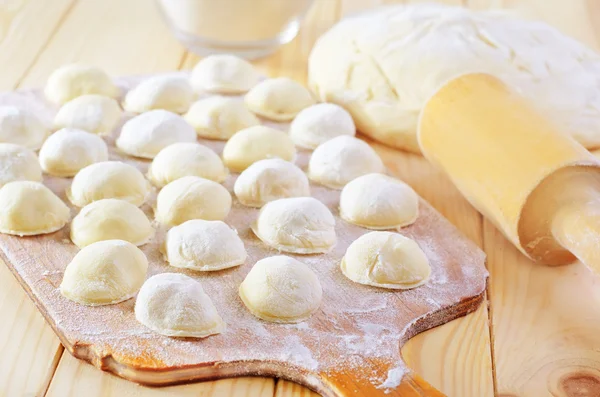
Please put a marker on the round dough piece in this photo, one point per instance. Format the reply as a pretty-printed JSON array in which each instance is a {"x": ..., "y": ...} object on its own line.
[
  {"x": 186, "y": 159},
  {"x": 257, "y": 143},
  {"x": 104, "y": 273},
  {"x": 172, "y": 93},
  {"x": 73, "y": 80},
  {"x": 319, "y": 123},
  {"x": 69, "y": 150},
  {"x": 29, "y": 208},
  {"x": 342, "y": 159},
  {"x": 17, "y": 163},
  {"x": 108, "y": 179},
  {"x": 110, "y": 219},
  {"x": 21, "y": 127},
  {"x": 147, "y": 134},
  {"x": 219, "y": 117},
  {"x": 268, "y": 180},
  {"x": 93, "y": 113},
  {"x": 281, "y": 289},
  {"x": 387, "y": 260},
  {"x": 204, "y": 245},
  {"x": 300, "y": 225},
  {"x": 377, "y": 201},
  {"x": 224, "y": 74},
  {"x": 192, "y": 197},
  {"x": 279, "y": 99}
]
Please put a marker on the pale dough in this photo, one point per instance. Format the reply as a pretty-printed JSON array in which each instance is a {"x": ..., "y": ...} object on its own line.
[
  {"x": 279, "y": 99},
  {"x": 168, "y": 92},
  {"x": 17, "y": 163},
  {"x": 319, "y": 123},
  {"x": 74, "y": 80},
  {"x": 92, "y": 113},
  {"x": 223, "y": 74},
  {"x": 21, "y": 127}
]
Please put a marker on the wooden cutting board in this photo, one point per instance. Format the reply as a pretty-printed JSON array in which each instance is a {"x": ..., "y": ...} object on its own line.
[{"x": 351, "y": 346}]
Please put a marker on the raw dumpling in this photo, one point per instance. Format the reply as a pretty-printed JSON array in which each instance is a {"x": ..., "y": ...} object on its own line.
[
  {"x": 186, "y": 159},
  {"x": 108, "y": 179},
  {"x": 172, "y": 93},
  {"x": 72, "y": 81},
  {"x": 104, "y": 273},
  {"x": 92, "y": 113},
  {"x": 147, "y": 134},
  {"x": 377, "y": 201},
  {"x": 268, "y": 180},
  {"x": 69, "y": 150},
  {"x": 192, "y": 197},
  {"x": 29, "y": 208},
  {"x": 279, "y": 99},
  {"x": 21, "y": 127},
  {"x": 340, "y": 160},
  {"x": 223, "y": 74},
  {"x": 174, "y": 304},
  {"x": 204, "y": 245},
  {"x": 257, "y": 143},
  {"x": 110, "y": 219},
  {"x": 301, "y": 225},
  {"x": 319, "y": 123},
  {"x": 17, "y": 163},
  {"x": 387, "y": 260},
  {"x": 281, "y": 289}
]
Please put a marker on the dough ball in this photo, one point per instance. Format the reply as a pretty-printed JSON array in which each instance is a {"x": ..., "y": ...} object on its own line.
[
  {"x": 69, "y": 150},
  {"x": 93, "y": 113},
  {"x": 268, "y": 180},
  {"x": 281, "y": 289},
  {"x": 319, "y": 123},
  {"x": 204, "y": 245},
  {"x": 147, "y": 134},
  {"x": 104, "y": 273},
  {"x": 186, "y": 159},
  {"x": 110, "y": 219},
  {"x": 168, "y": 92},
  {"x": 387, "y": 260},
  {"x": 340, "y": 160},
  {"x": 257, "y": 143},
  {"x": 17, "y": 163},
  {"x": 192, "y": 197},
  {"x": 377, "y": 201},
  {"x": 224, "y": 74},
  {"x": 72, "y": 81},
  {"x": 108, "y": 179},
  {"x": 29, "y": 208},
  {"x": 21, "y": 127},
  {"x": 220, "y": 117},
  {"x": 279, "y": 99},
  {"x": 301, "y": 225}
]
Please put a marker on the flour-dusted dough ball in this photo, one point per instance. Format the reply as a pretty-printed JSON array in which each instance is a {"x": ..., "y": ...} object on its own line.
[
  {"x": 168, "y": 92},
  {"x": 174, "y": 304},
  {"x": 147, "y": 134},
  {"x": 110, "y": 219},
  {"x": 219, "y": 117},
  {"x": 17, "y": 163},
  {"x": 104, "y": 273},
  {"x": 279, "y": 99},
  {"x": 224, "y": 74},
  {"x": 108, "y": 179},
  {"x": 69, "y": 150},
  {"x": 301, "y": 225},
  {"x": 21, "y": 127},
  {"x": 186, "y": 159},
  {"x": 377, "y": 201},
  {"x": 387, "y": 260},
  {"x": 281, "y": 289},
  {"x": 29, "y": 208},
  {"x": 93, "y": 113},
  {"x": 257, "y": 143},
  {"x": 192, "y": 197},
  {"x": 319, "y": 123},
  {"x": 73, "y": 80},
  {"x": 268, "y": 180}
]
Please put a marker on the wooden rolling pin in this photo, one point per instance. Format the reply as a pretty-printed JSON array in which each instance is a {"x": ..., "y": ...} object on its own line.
[{"x": 536, "y": 184}]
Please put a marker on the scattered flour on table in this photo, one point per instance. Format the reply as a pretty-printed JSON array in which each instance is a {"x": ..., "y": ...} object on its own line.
[{"x": 393, "y": 380}]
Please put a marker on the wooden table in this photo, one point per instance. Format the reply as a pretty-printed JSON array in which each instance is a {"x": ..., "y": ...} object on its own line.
[{"x": 537, "y": 335}]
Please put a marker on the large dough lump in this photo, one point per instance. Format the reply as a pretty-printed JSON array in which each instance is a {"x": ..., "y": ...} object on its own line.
[
  {"x": 21, "y": 127},
  {"x": 17, "y": 163},
  {"x": 93, "y": 113},
  {"x": 223, "y": 74},
  {"x": 74, "y": 80},
  {"x": 320, "y": 123},
  {"x": 279, "y": 99},
  {"x": 168, "y": 92}
]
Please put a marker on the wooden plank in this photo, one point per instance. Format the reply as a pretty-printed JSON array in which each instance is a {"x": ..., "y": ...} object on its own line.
[{"x": 286, "y": 388}]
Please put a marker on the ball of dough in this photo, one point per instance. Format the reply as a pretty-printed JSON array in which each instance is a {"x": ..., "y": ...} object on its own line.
[
  {"x": 186, "y": 159},
  {"x": 17, "y": 163},
  {"x": 387, "y": 260},
  {"x": 281, "y": 289},
  {"x": 72, "y": 81},
  {"x": 257, "y": 143},
  {"x": 176, "y": 305},
  {"x": 147, "y": 134},
  {"x": 192, "y": 197},
  {"x": 69, "y": 150},
  {"x": 224, "y": 74},
  {"x": 268, "y": 180},
  {"x": 93, "y": 113},
  {"x": 110, "y": 219},
  {"x": 377, "y": 201},
  {"x": 104, "y": 273},
  {"x": 279, "y": 99},
  {"x": 29, "y": 208},
  {"x": 21, "y": 127},
  {"x": 300, "y": 225},
  {"x": 172, "y": 93},
  {"x": 108, "y": 179},
  {"x": 340, "y": 160},
  {"x": 319, "y": 123},
  {"x": 220, "y": 117}
]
